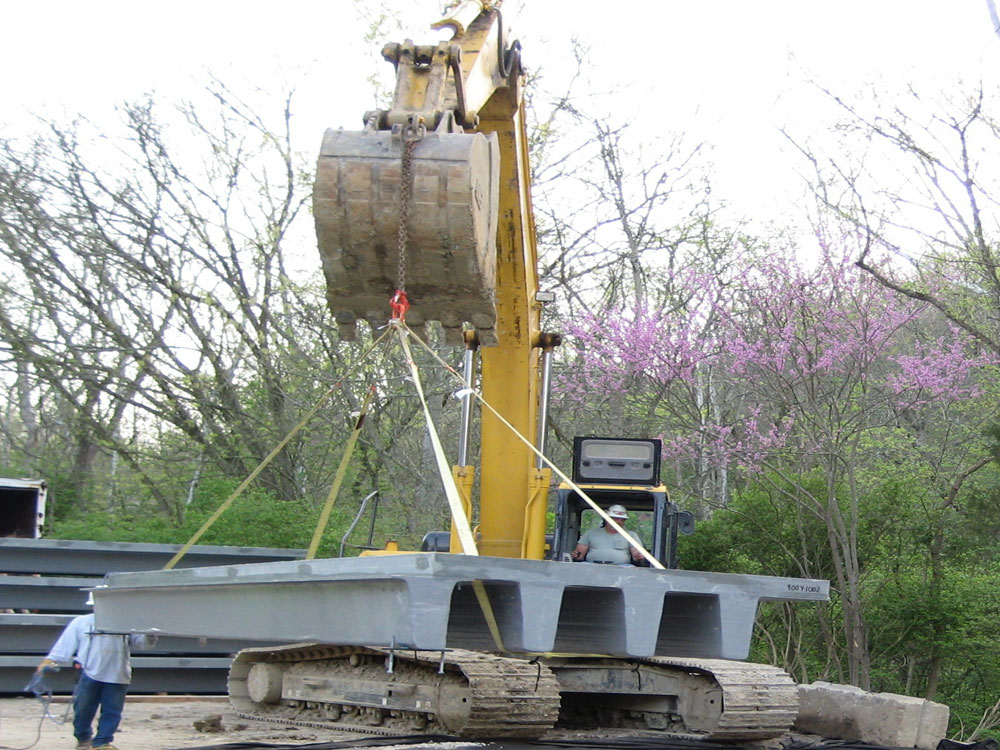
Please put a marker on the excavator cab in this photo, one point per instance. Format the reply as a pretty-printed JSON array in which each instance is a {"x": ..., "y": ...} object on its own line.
[
  {"x": 611, "y": 471},
  {"x": 619, "y": 471}
]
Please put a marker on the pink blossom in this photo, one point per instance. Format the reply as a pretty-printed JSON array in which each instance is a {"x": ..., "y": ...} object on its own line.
[{"x": 797, "y": 356}]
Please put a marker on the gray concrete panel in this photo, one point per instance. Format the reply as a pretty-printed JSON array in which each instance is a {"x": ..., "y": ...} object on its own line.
[
  {"x": 29, "y": 633},
  {"x": 82, "y": 558},
  {"x": 644, "y": 615},
  {"x": 691, "y": 625},
  {"x": 592, "y": 620},
  {"x": 540, "y": 615},
  {"x": 426, "y": 601}
]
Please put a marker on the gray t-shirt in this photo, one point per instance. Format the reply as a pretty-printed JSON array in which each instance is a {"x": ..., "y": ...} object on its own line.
[
  {"x": 104, "y": 657},
  {"x": 605, "y": 547}
]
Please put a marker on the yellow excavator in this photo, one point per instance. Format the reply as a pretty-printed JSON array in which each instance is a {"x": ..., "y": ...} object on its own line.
[
  {"x": 496, "y": 633},
  {"x": 434, "y": 196}
]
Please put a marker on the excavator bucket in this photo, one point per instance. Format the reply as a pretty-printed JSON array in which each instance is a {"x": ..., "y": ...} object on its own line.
[{"x": 449, "y": 264}]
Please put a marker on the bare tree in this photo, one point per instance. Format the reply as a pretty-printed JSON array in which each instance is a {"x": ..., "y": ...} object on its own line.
[
  {"x": 617, "y": 220},
  {"x": 148, "y": 278},
  {"x": 917, "y": 181}
]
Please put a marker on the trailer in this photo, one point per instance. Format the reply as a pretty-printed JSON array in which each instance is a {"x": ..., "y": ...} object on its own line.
[{"x": 22, "y": 507}]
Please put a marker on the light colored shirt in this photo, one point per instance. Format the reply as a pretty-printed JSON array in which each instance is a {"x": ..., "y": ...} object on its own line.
[
  {"x": 103, "y": 656},
  {"x": 605, "y": 547}
]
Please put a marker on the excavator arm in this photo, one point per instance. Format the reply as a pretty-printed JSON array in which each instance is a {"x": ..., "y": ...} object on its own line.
[{"x": 434, "y": 198}]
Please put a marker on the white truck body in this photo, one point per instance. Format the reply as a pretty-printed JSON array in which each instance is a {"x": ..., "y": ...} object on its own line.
[{"x": 22, "y": 507}]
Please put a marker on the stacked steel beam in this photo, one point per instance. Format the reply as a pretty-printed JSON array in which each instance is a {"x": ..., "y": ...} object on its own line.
[{"x": 44, "y": 585}]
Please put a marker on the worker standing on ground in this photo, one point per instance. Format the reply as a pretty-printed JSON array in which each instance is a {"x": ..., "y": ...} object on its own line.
[
  {"x": 605, "y": 545},
  {"x": 105, "y": 674}
]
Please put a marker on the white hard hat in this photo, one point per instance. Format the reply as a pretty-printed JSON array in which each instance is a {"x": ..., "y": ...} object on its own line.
[{"x": 617, "y": 511}]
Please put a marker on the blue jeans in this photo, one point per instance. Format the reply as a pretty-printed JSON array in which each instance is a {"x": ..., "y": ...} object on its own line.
[{"x": 90, "y": 694}]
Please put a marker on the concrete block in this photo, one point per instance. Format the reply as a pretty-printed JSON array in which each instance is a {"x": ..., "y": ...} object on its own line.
[
  {"x": 829, "y": 710},
  {"x": 933, "y": 725},
  {"x": 850, "y": 713},
  {"x": 888, "y": 719}
]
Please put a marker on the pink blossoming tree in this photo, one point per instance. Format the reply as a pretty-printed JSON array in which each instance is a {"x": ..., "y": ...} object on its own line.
[{"x": 777, "y": 373}]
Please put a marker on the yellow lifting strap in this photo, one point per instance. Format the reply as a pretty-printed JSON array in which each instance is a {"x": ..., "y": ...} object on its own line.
[
  {"x": 458, "y": 516},
  {"x": 576, "y": 488},
  {"x": 450, "y": 489},
  {"x": 324, "y": 516},
  {"x": 270, "y": 456}
]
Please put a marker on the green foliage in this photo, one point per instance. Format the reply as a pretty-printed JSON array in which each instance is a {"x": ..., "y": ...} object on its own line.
[
  {"x": 15, "y": 470},
  {"x": 255, "y": 519},
  {"x": 763, "y": 531},
  {"x": 930, "y": 586}
]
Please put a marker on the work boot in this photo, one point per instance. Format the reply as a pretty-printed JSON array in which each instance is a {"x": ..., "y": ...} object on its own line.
[
  {"x": 104, "y": 747},
  {"x": 83, "y": 745}
]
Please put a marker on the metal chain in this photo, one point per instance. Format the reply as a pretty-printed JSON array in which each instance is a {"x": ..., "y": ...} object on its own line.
[{"x": 412, "y": 132}]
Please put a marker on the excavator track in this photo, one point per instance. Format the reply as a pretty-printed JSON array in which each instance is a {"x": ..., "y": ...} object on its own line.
[
  {"x": 712, "y": 699},
  {"x": 759, "y": 701},
  {"x": 458, "y": 693},
  {"x": 479, "y": 695}
]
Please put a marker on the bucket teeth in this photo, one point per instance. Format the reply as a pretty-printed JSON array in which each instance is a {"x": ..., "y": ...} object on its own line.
[{"x": 450, "y": 261}]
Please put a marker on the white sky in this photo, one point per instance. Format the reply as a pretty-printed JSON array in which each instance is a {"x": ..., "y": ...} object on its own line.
[{"x": 726, "y": 71}]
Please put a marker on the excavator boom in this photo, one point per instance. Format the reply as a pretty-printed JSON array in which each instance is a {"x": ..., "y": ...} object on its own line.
[{"x": 434, "y": 197}]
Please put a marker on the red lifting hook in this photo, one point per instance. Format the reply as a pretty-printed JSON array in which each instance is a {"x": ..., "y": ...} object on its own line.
[{"x": 399, "y": 305}]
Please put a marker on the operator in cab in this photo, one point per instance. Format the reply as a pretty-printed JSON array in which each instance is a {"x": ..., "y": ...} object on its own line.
[{"x": 605, "y": 545}]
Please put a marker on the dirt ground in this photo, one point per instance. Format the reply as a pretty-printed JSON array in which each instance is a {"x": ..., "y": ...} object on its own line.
[
  {"x": 149, "y": 723},
  {"x": 174, "y": 723}
]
